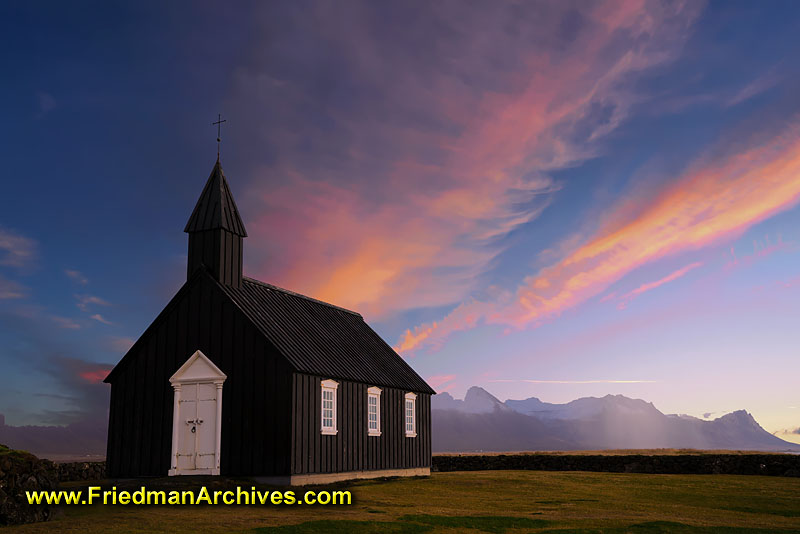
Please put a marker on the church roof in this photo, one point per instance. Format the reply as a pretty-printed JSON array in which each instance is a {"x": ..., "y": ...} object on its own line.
[
  {"x": 322, "y": 339},
  {"x": 216, "y": 208}
]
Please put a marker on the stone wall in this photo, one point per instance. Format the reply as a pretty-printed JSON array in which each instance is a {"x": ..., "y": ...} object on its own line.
[
  {"x": 21, "y": 471},
  {"x": 726, "y": 464},
  {"x": 72, "y": 471}
]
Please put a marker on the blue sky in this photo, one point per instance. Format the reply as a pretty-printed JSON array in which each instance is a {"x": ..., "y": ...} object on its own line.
[{"x": 544, "y": 199}]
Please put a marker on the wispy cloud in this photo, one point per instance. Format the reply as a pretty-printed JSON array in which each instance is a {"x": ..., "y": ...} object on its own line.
[
  {"x": 84, "y": 301},
  {"x": 446, "y": 143},
  {"x": 713, "y": 201},
  {"x": 9, "y": 289},
  {"x": 761, "y": 249},
  {"x": 16, "y": 250},
  {"x": 439, "y": 382},
  {"x": 756, "y": 87},
  {"x": 99, "y": 318},
  {"x": 44, "y": 350},
  {"x": 627, "y": 297},
  {"x": 120, "y": 344},
  {"x": 76, "y": 276},
  {"x": 65, "y": 322}
]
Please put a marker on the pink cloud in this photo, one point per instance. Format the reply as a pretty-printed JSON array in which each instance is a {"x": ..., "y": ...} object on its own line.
[
  {"x": 384, "y": 231},
  {"x": 95, "y": 375},
  {"x": 76, "y": 276},
  {"x": 711, "y": 202},
  {"x": 441, "y": 382},
  {"x": 760, "y": 251},
  {"x": 16, "y": 250},
  {"x": 65, "y": 322},
  {"x": 9, "y": 289},
  {"x": 84, "y": 301},
  {"x": 100, "y": 319},
  {"x": 626, "y": 298}
]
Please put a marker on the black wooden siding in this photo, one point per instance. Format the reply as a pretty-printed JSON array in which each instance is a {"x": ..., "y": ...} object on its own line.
[
  {"x": 256, "y": 400},
  {"x": 220, "y": 252},
  {"x": 351, "y": 449}
]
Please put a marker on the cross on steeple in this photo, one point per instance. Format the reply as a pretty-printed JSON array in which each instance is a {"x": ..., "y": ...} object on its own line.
[{"x": 219, "y": 122}]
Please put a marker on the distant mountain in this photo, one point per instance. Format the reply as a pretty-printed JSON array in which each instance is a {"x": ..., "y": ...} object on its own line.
[
  {"x": 482, "y": 422},
  {"x": 477, "y": 400},
  {"x": 584, "y": 408}
]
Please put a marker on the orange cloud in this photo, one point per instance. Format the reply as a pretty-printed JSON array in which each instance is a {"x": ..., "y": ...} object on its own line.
[
  {"x": 710, "y": 203},
  {"x": 429, "y": 217}
]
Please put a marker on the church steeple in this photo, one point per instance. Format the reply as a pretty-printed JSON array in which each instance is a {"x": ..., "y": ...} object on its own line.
[{"x": 216, "y": 231}]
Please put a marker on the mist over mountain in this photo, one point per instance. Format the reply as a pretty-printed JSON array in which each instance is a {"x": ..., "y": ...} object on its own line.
[{"x": 481, "y": 422}]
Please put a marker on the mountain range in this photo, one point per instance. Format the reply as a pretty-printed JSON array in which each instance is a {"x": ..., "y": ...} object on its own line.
[{"x": 481, "y": 422}]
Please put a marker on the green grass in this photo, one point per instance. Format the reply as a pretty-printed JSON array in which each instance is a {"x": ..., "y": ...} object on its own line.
[
  {"x": 16, "y": 454},
  {"x": 512, "y": 502}
]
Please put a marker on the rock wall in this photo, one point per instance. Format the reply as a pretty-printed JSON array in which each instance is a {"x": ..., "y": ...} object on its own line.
[
  {"x": 21, "y": 471},
  {"x": 717, "y": 464},
  {"x": 72, "y": 471}
]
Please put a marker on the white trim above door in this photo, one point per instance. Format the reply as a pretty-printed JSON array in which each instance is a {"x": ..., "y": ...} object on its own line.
[{"x": 196, "y": 417}]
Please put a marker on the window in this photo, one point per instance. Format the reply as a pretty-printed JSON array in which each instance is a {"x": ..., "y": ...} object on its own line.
[
  {"x": 411, "y": 415},
  {"x": 329, "y": 388},
  {"x": 374, "y": 411}
]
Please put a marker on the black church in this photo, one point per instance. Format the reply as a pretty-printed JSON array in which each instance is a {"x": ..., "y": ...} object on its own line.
[{"x": 240, "y": 377}]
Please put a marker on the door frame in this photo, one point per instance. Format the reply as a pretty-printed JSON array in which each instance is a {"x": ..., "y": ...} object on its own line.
[{"x": 196, "y": 369}]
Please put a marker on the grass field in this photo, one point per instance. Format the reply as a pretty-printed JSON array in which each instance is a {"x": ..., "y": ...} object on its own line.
[{"x": 486, "y": 501}]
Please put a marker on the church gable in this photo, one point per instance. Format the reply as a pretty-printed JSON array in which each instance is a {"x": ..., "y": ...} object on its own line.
[
  {"x": 197, "y": 368},
  {"x": 191, "y": 317}
]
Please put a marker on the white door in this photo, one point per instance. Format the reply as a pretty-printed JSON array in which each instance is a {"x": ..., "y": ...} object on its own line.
[
  {"x": 196, "y": 417},
  {"x": 197, "y": 435}
]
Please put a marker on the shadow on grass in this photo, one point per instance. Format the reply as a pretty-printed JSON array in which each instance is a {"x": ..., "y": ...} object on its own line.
[
  {"x": 669, "y": 527},
  {"x": 762, "y": 510}
]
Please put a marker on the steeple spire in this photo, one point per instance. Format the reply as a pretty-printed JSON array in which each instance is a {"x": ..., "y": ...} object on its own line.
[{"x": 216, "y": 231}]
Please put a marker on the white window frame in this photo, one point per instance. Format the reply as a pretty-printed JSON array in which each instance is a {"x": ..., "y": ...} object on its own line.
[
  {"x": 329, "y": 386},
  {"x": 374, "y": 393},
  {"x": 412, "y": 398}
]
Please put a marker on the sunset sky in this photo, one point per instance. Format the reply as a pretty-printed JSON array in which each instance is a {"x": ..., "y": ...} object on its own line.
[{"x": 550, "y": 199}]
